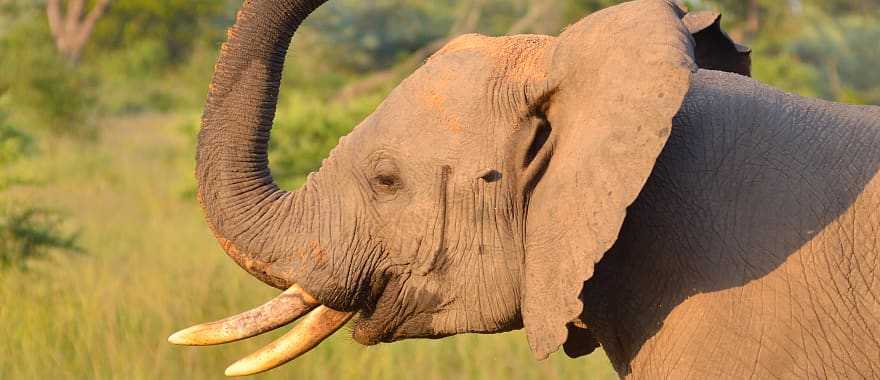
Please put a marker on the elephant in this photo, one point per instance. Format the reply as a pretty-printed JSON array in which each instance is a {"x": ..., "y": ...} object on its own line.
[{"x": 624, "y": 184}]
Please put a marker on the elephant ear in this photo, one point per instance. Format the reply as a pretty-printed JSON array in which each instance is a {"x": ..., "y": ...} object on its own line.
[
  {"x": 715, "y": 50},
  {"x": 616, "y": 80}
]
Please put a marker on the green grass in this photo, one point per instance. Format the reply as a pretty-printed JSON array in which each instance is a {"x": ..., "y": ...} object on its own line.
[{"x": 151, "y": 267}]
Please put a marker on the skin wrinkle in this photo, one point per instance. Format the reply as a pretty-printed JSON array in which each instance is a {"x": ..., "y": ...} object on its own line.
[
  {"x": 793, "y": 301},
  {"x": 440, "y": 226},
  {"x": 488, "y": 310},
  {"x": 505, "y": 275},
  {"x": 482, "y": 306},
  {"x": 442, "y": 201},
  {"x": 754, "y": 371},
  {"x": 827, "y": 292},
  {"x": 458, "y": 264},
  {"x": 260, "y": 224},
  {"x": 283, "y": 224}
]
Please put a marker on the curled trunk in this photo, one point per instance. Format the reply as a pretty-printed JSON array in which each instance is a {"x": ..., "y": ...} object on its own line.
[{"x": 257, "y": 223}]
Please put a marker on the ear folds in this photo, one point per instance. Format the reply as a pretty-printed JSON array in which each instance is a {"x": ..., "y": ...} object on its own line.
[
  {"x": 618, "y": 78},
  {"x": 715, "y": 50}
]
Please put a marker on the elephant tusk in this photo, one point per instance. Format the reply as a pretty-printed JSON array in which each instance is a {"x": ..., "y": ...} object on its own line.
[
  {"x": 281, "y": 310},
  {"x": 317, "y": 326}
]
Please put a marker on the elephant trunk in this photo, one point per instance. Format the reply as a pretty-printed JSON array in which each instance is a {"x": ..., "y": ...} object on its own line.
[
  {"x": 257, "y": 223},
  {"x": 268, "y": 231}
]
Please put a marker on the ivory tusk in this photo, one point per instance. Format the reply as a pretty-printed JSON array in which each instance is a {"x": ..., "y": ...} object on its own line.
[
  {"x": 314, "y": 328},
  {"x": 279, "y": 311}
]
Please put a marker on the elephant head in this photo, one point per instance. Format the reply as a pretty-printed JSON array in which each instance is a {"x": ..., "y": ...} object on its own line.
[{"x": 476, "y": 199}]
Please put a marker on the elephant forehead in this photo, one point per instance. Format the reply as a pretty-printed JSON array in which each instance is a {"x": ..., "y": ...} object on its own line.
[
  {"x": 426, "y": 113},
  {"x": 450, "y": 105},
  {"x": 441, "y": 108},
  {"x": 448, "y": 99}
]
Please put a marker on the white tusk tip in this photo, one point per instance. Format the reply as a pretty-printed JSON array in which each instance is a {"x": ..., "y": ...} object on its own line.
[
  {"x": 240, "y": 368},
  {"x": 186, "y": 337},
  {"x": 178, "y": 338}
]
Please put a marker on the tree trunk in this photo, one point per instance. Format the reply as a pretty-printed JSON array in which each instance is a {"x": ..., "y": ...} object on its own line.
[{"x": 71, "y": 31}]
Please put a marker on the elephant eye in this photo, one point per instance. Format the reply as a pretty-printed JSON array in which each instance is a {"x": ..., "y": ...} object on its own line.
[
  {"x": 386, "y": 183},
  {"x": 385, "y": 179}
]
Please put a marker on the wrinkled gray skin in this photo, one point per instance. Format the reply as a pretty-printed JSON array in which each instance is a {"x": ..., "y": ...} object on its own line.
[{"x": 515, "y": 182}]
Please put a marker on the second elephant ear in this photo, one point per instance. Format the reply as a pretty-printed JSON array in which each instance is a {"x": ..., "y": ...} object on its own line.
[
  {"x": 715, "y": 50},
  {"x": 617, "y": 78}
]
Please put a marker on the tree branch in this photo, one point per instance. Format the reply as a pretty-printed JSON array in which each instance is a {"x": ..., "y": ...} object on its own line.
[
  {"x": 86, "y": 27},
  {"x": 74, "y": 11},
  {"x": 71, "y": 31},
  {"x": 53, "y": 12}
]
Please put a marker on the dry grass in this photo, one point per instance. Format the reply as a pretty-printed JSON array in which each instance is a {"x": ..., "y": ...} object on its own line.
[{"x": 152, "y": 267}]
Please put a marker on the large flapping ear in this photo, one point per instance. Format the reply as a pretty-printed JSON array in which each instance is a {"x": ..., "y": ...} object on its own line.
[
  {"x": 618, "y": 78},
  {"x": 715, "y": 50}
]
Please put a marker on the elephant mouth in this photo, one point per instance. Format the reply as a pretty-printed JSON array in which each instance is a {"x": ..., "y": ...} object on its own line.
[
  {"x": 319, "y": 323},
  {"x": 388, "y": 325}
]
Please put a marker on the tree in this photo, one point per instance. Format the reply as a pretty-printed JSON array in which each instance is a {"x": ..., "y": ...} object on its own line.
[{"x": 71, "y": 31}]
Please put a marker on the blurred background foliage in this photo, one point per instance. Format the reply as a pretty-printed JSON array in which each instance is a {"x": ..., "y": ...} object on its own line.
[
  {"x": 98, "y": 116},
  {"x": 156, "y": 55}
]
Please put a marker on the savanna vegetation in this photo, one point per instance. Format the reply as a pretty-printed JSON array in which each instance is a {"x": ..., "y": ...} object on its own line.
[{"x": 103, "y": 251}]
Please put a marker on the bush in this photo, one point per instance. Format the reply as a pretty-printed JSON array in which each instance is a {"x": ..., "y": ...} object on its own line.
[
  {"x": 32, "y": 233},
  {"x": 29, "y": 232},
  {"x": 14, "y": 145},
  {"x": 307, "y": 128}
]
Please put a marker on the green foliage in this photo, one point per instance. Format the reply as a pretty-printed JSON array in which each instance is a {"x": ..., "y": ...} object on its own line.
[
  {"x": 820, "y": 48},
  {"x": 140, "y": 58},
  {"x": 844, "y": 50},
  {"x": 156, "y": 56},
  {"x": 144, "y": 52},
  {"x": 307, "y": 130},
  {"x": 172, "y": 28},
  {"x": 43, "y": 89},
  {"x": 26, "y": 233},
  {"x": 31, "y": 233},
  {"x": 14, "y": 146},
  {"x": 785, "y": 71},
  {"x": 14, "y": 143},
  {"x": 373, "y": 34}
]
